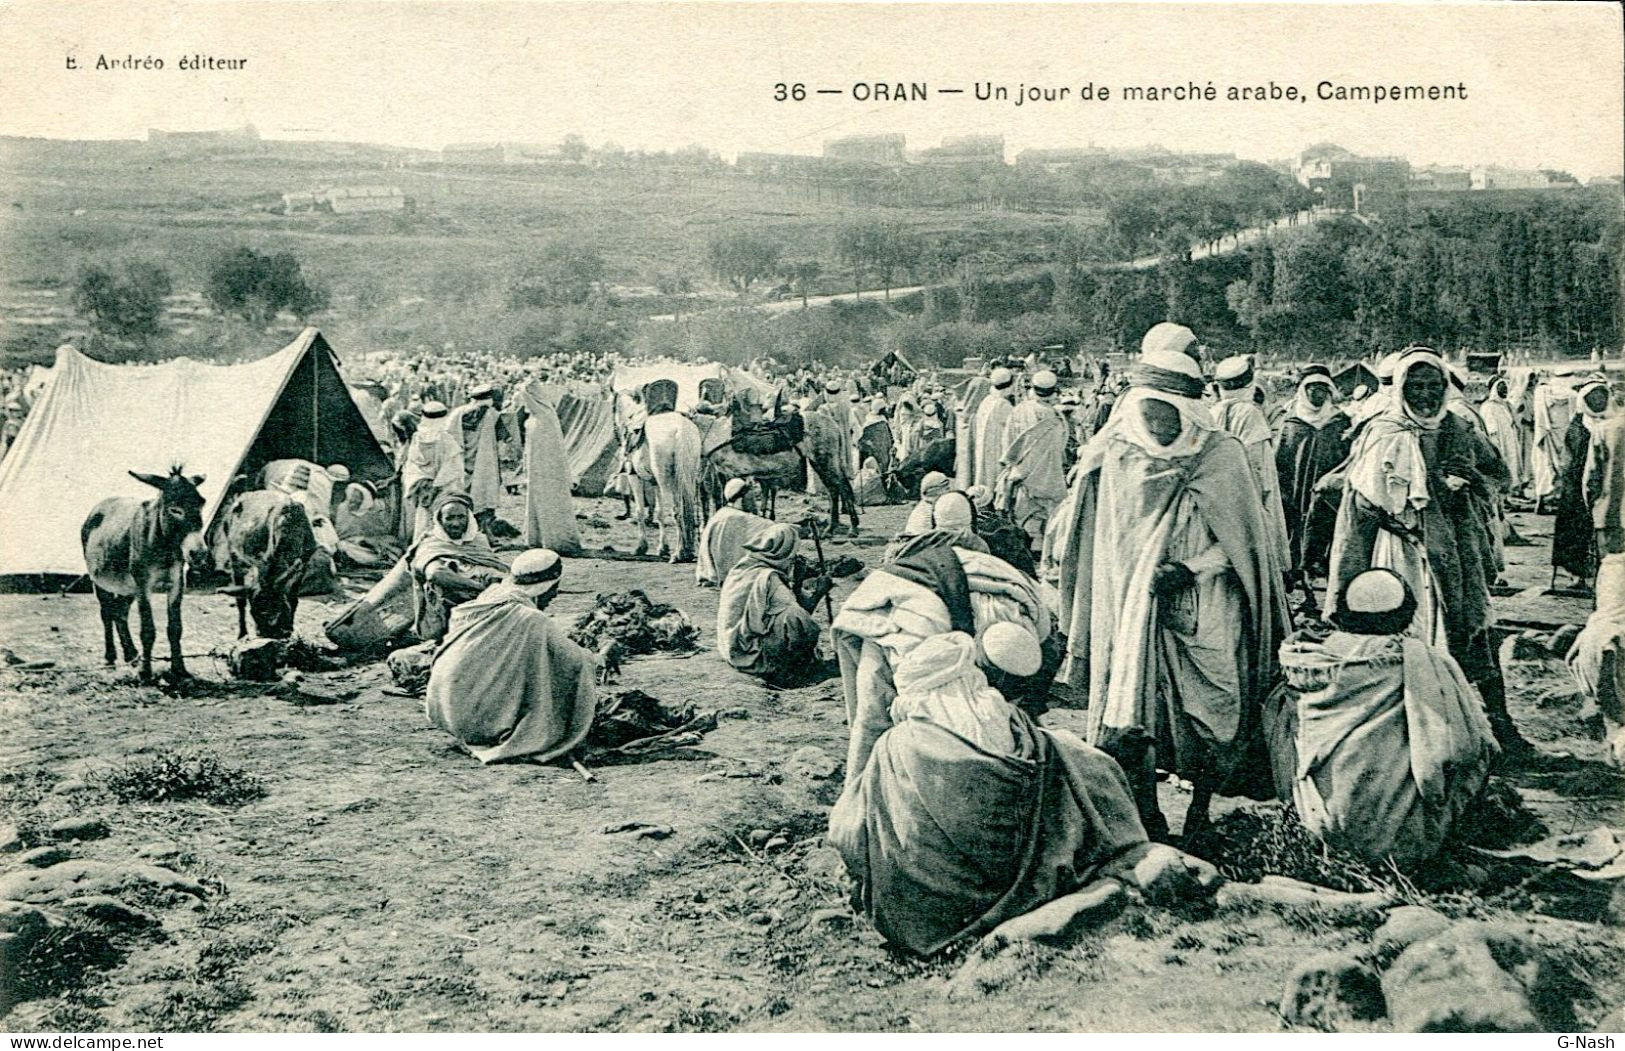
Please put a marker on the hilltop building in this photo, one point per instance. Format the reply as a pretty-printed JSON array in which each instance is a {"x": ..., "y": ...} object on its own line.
[
  {"x": 985, "y": 151},
  {"x": 872, "y": 149},
  {"x": 1340, "y": 178},
  {"x": 1492, "y": 177},
  {"x": 1438, "y": 179}
]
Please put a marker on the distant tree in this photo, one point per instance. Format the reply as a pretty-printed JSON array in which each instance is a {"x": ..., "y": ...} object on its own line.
[
  {"x": 256, "y": 287},
  {"x": 562, "y": 274},
  {"x": 129, "y": 304},
  {"x": 677, "y": 284},
  {"x": 742, "y": 258},
  {"x": 799, "y": 274},
  {"x": 879, "y": 247}
]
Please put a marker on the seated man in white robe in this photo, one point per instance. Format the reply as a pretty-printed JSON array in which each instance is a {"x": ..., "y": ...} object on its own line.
[
  {"x": 964, "y": 812},
  {"x": 941, "y": 581},
  {"x": 1379, "y": 740},
  {"x": 722, "y": 540},
  {"x": 763, "y": 627},
  {"x": 507, "y": 682}
]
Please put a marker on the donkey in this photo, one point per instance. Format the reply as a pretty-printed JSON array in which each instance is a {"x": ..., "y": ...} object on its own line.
[
  {"x": 131, "y": 546},
  {"x": 265, "y": 542}
]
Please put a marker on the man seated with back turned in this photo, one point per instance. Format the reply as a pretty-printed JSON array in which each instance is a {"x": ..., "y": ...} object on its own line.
[
  {"x": 722, "y": 540},
  {"x": 507, "y": 682}
]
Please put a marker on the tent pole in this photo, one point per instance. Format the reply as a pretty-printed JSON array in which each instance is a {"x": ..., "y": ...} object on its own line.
[{"x": 315, "y": 409}]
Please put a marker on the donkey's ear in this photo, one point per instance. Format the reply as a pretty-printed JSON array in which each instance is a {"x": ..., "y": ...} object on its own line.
[
  {"x": 153, "y": 480},
  {"x": 196, "y": 480}
]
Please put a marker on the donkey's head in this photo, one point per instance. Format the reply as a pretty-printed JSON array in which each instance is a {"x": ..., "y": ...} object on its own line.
[{"x": 180, "y": 505}]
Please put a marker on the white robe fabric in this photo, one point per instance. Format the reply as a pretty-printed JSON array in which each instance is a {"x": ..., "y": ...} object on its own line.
[
  {"x": 550, "y": 519},
  {"x": 436, "y": 457},
  {"x": 1031, "y": 483},
  {"x": 1238, "y": 415},
  {"x": 482, "y": 470},
  {"x": 1387, "y": 743},
  {"x": 1553, "y": 408},
  {"x": 1501, "y": 427},
  {"x": 508, "y": 683},
  {"x": 992, "y": 417},
  {"x": 722, "y": 543}
]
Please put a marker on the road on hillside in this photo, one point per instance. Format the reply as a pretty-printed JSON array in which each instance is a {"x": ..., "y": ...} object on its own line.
[{"x": 1229, "y": 244}]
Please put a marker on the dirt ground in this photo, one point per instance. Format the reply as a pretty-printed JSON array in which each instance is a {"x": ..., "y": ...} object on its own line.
[{"x": 387, "y": 881}]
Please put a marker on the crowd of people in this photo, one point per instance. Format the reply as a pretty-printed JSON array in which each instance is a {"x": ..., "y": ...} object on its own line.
[{"x": 1265, "y": 589}]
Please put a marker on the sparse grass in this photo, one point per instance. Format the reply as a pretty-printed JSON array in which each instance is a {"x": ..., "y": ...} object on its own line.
[
  {"x": 176, "y": 776},
  {"x": 58, "y": 961}
]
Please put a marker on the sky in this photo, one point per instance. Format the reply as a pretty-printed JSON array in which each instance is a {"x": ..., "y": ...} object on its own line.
[{"x": 1544, "y": 82}]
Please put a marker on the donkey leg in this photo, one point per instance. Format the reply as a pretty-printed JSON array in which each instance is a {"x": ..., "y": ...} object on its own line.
[
  {"x": 108, "y": 654},
  {"x": 177, "y": 663},
  {"x": 119, "y": 608},
  {"x": 149, "y": 632}
]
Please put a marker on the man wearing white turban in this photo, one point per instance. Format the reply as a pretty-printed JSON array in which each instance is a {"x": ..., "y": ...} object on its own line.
[
  {"x": 1171, "y": 597},
  {"x": 722, "y": 541},
  {"x": 992, "y": 417},
  {"x": 507, "y": 682},
  {"x": 433, "y": 467}
]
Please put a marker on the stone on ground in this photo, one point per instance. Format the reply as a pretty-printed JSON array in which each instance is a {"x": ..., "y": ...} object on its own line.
[
  {"x": 255, "y": 659},
  {"x": 83, "y": 878},
  {"x": 1470, "y": 978},
  {"x": 22, "y": 927},
  {"x": 43, "y": 857},
  {"x": 71, "y": 829},
  {"x": 1406, "y": 925},
  {"x": 1327, "y": 990},
  {"x": 812, "y": 763},
  {"x": 1529, "y": 645}
]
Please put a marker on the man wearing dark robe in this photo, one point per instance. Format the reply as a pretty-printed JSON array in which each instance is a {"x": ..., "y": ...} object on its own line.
[
  {"x": 1312, "y": 442},
  {"x": 1574, "y": 548}
]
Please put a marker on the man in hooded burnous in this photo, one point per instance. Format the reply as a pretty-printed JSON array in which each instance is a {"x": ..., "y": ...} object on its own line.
[
  {"x": 1031, "y": 483},
  {"x": 1312, "y": 443},
  {"x": 1171, "y": 597},
  {"x": 1414, "y": 499}
]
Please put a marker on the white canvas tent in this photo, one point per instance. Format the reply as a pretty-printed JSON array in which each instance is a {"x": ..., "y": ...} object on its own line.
[{"x": 96, "y": 422}]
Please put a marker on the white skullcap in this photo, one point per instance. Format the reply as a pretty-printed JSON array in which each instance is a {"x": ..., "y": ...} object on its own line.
[
  {"x": 1001, "y": 378},
  {"x": 536, "y": 572},
  {"x": 1374, "y": 591},
  {"x": 933, "y": 485},
  {"x": 953, "y": 511},
  {"x": 1167, "y": 336},
  {"x": 1045, "y": 381},
  {"x": 434, "y": 409},
  {"x": 981, "y": 497},
  {"x": 833, "y": 386},
  {"x": 1070, "y": 401},
  {"x": 481, "y": 390},
  {"x": 338, "y": 472},
  {"x": 1011, "y": 648},
  {"x": 731, "y": 491},
  {"x": 1233, "y": 368}
]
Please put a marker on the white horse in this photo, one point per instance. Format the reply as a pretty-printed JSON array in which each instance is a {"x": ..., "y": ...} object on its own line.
[{"x": 665, "y": 465}]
